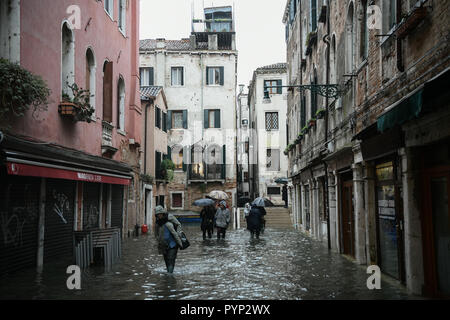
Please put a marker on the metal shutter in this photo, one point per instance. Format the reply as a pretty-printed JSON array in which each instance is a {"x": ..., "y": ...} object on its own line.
[{"x": 59, "y": 219}]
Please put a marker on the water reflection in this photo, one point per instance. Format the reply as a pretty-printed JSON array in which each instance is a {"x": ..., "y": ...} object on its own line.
[{"x": 279, "y": 265}]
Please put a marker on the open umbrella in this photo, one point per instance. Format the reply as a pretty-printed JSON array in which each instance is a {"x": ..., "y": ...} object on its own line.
[
  {"x": 203, "y": 202},
  {"x": 282, "y": 180},
  {"x": 262, "y": 202},
  {"x": 218, "y": 195}
]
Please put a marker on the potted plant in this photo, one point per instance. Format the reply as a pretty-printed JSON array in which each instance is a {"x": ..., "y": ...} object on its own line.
[
  {"x": 147, "y": 178},
  {"x": 167, "y": 168},
  {"x": 20, "y": 90},
  {"x": 320, "y": 113},
  {"x": 77, "y": 107}
]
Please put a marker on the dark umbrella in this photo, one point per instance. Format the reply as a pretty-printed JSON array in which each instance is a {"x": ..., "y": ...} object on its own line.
[
  {"x": 262, "y": 202},
  {"x": 282, "y": 180},
  {"x": 203, "y": 202}
]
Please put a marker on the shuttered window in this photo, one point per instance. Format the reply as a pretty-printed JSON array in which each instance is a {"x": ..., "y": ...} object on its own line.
[
  {"x": 211, "y": 118},
  {"x": 177, "y": 76},
  {"x": 108, "y": 92},
  {"x": 214, "y": 76},
  {"x": 147, "y": 78}
]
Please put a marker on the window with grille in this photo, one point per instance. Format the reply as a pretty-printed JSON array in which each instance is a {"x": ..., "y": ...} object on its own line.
[{"x": 271, "y": 121}]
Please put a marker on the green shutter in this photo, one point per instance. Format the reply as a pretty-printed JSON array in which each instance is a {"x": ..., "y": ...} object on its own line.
[
  {"x": 224, "y": 157},
  {"x": 164, "y": 121},
  {"x": 221, "y": 75},
  {"x": 207, "y": 73},
  {"x": 151, "y": 81},
  {"x": 217, "y": 119},
  {"x": 185, "y": 119},
  {"x": 169, "y": 152},
  {"x": 169, "y": 120},
  {"x": 205, "y": 118},
  {"x": 279, "y": 89}
]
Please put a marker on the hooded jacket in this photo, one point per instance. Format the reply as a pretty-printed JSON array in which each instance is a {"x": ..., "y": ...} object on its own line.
[{"x": 222, "y": 217}]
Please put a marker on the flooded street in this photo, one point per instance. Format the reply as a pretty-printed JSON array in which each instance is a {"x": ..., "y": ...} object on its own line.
[{"x": 282, "y": 265}]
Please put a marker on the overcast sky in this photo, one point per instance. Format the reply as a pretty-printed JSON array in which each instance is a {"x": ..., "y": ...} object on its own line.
[{"x": 259, "y": 28}]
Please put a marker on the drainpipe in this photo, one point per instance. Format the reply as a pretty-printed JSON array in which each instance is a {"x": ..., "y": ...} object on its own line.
[{"x": 326, "y": 204}]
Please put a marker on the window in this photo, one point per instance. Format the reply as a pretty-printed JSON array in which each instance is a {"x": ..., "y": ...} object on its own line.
[
  {"x": 109, "y": 7},
  {"x": 364, "y": 32},
  {"x": 107, "y": 91},
  {"x": 177, "y": 119},
  {"x": 389, "y": 15},
  {"x": 273, "y": 160},
  {"x": 214, "y": 76},
  {"x": 146, "y": 77},
  {"x": 349, "y": 40},
  {"x": 271, "y": 83},
  {"x": 314, "y": 96},
  {"x": 67, "y": 59},
  {"x": 313, "y": 15},
  {"x": 121, "y": 104},
  {"x": 273, "y": 190},
  {"x": 90, "y": 77},
  {"x": 177, "y": 200},
  {"x": 122, "y": 15},
  {"x": 177, "y": 76},
  {"x": 212, "y": 118},
  {"x": 177, "y": 157},
  {"x": 215, "y": 160},
  {"x": 271, "y": 121},
  {"x": 157, "y": 117}
]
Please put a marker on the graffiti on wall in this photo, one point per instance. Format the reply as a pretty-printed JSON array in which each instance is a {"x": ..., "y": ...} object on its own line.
[{"x": 61, "y": 204}]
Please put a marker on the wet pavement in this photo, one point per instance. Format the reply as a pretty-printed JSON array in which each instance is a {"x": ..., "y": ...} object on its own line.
[{"x": 281, "y": 265}]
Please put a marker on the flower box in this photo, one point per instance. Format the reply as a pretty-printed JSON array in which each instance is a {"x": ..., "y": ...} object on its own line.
[
  {"x": 411, "y": 22},
  {"x": 68, "y": 109}
]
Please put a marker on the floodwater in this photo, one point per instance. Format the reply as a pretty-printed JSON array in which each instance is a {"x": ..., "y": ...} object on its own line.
[{"x": 281, "y": 265}]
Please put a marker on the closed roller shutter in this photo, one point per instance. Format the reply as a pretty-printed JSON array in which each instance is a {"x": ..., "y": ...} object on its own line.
[
  {"x": 59, "y": 219},
  {"x": 91, "y": 205},
  {"x": 117, "y": 206},
  {"x": 19, "y": 217}
]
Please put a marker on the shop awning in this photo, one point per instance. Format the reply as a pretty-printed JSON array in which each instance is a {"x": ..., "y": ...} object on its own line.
[
  {"x": 26, "y": 169},
  {"x": 407, "y": 109}
]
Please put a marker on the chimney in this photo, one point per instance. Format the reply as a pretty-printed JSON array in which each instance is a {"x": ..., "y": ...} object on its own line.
[
  {"x": 193, "y": 44},
  {"x": 212, "y": 42},
  {"x": 160, "y": 43}
]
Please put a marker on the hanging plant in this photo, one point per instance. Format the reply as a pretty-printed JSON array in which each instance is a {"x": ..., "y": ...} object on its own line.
[
  {"x": 167, "y": 169},
  {"x": 20, "y": 90},
  {"x": 78, "y": 107}
]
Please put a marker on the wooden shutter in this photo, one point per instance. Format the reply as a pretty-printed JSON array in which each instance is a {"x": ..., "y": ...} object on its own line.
[
  {"x": 185, "y": 119},
  {"x": 207, "y": 75},
  {"x": 279, "y": 89},
  {"x": 221, "y": 75},
  {"x": 169, "y": 153},
  {"x": 164, "y": 121},
  {"x": 151, "y": 77},
  {"x": 182, "y": 76},
  {"x": 224, "y": 158},
  {"x": 206, "y": 118},
  {"x": 169, "y": 120},
  {"x": 108, "y": 92},
  {"x": 217, "y": 119}
]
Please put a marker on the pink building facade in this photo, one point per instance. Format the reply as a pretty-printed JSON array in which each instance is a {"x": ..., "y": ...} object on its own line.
[{"x": 69, "y": 180}]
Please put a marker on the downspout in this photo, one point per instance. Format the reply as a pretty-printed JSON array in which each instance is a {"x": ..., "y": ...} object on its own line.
[{"x": 326, "y": 204}]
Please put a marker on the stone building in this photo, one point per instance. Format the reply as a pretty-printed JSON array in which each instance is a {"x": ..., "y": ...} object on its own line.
[
  {"x": 198, "y": 75},
  {"x": 371, "y": 177},
  {"x": 267, "y": 101},
  {"x": 64, "y": 177}
]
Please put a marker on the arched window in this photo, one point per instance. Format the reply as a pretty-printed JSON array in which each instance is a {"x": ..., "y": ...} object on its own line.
[
  {"x": 121, "y": 104},
  {"x": 67, "y": 59},
  {"x": 349, "y": 41},
  {"x": 90, "y": 75}
]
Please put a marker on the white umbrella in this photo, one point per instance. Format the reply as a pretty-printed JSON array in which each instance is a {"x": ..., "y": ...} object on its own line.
[{"x": 218, "y": 195}]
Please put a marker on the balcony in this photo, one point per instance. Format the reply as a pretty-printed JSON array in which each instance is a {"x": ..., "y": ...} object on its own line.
[
  {"x": 107, "y": 144},
  {"x": 213, "y": 173}
]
